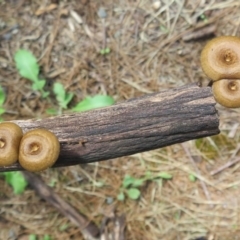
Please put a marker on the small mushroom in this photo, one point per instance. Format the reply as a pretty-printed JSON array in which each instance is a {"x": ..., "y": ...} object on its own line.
[
  {"x": 39, "y": 150},
  {"x": 220, "y": 58},
  {"x": 10, "y": 137},
  {"x": 227, "y": 92}
]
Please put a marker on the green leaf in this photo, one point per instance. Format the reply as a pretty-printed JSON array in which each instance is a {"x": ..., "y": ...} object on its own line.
[
  {"x": 148, "y": 175},
  {"x": 27, "y": 64},
  {"x": 192, "y": 177},
  {"x": 121, "y": 196},
  {"x": 38, "y": 85},
  {"x": 135, "y": 182},
  {"x": 17, "y": 181},
  {"x": 204, "y": 18},
  {"x": 59, "y": 91},
  {"x": 63, "y": 227},
  {"x": 68, "y": 98},
  {"x": 98, "y": 183},
  {"x": 164, "y": 175},
  {"x": 52, "y": 183},
  {"x": 97, "y": 101},
  {"x": 2, "y": 96},
  {"x": 138, "y": 182},
  {"x": 133, "y": 193},
  {"x": 63, "y": 98},
  {"x": 51, "y": 111},
  {"x": 46, "y": 237},
  {"x": 102, "y": 51},
  {"x": 127, "y": 181},
  {"x": 107, "y": 50},
  {"x": 44, "y": 94},
  {"x": 2, "y": 110},
  {"x": 32, "y": 237}
]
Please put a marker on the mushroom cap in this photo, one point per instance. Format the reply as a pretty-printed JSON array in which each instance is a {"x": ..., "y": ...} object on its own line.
[
  {"x": 10, "y": 137},
  {"x": 227, "y": 92},
  {"x": 39, "y": 150},
  {"x": 220, "y": 58}
]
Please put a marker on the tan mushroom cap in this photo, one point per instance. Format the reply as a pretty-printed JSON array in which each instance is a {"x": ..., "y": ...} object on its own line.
[
  {"x": 10, "y": 137},
  {"x": 227, "y": 92},
  {"x": 39, "y": 150},
  {"x": 220, "y": 58}
]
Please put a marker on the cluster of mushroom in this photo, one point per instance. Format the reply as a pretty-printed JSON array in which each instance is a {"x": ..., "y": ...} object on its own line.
[
  {"x": 36, "y": 150},
  {"x": 220, "y": 60}
]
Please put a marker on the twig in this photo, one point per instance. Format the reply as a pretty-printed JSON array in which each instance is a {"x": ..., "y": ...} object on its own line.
[
  {"x": 229, "y": 163},
  {"x": 206, "y": 31},
  {"x": 88, "y": 228}
]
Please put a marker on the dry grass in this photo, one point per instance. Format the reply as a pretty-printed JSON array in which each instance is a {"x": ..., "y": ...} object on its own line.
[{"x": 148, "y": 54}]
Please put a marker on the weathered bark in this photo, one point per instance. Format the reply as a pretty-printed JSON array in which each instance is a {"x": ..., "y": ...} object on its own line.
[{"x": 141, "y": 124}]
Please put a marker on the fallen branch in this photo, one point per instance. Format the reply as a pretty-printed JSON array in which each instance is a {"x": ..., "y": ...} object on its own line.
[{"x": 141, "y": 124}]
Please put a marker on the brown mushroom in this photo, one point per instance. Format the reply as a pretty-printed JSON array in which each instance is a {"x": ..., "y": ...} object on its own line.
[
  {"x": 39, "y": 150},
  {"x": 10, "y": 137},
  {"x": 227, "y": 92},
  {"x": 220, "y": 58}
]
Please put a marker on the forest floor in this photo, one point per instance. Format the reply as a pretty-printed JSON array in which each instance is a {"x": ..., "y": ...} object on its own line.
[{"x": 154, "y": 46}]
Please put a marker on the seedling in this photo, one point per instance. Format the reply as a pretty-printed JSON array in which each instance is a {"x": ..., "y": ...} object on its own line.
[
  {"x": 130, "y": 185},
  {"x": 51, "y": 111},
  {"x": 62, "y": 96},
  {"x": 86, "y": 104},
  {"x": 16, "y": 180},
  {"x": 28, "y": 68},
  {"x": 192, "y": 177},
  {"x": 163, "y": 29},
  {"x": 204, "y": 18},
  {"x": 89, "y": 103},
  {"x": 105, "y": 51},
  {"x": 52, "y": 183},
  {"x": 46, "y": 237},
  {"x": 63, "y": 227},
  {"x": 2, "y": 100},
  {"x": 163, "y": 175},
  {"x": 34, "y": 237}
]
